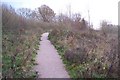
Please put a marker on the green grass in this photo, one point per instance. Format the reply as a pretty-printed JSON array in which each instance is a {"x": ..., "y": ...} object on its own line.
[{"x": 19, "y": 52}]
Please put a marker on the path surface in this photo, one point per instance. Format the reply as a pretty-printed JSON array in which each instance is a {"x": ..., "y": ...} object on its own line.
[{"x": 49, "y": 62}]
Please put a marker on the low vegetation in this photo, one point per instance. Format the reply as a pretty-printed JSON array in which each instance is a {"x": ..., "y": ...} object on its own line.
[
  {"x": 19, "y": 45},
  {"x": 20, "y": 39},
  {"x": 87, "y": 53}
]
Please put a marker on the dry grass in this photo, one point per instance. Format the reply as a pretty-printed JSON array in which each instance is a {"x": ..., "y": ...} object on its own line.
[
  {"x": 95, "y": 52},
  {"x": 85, "y": 51}
]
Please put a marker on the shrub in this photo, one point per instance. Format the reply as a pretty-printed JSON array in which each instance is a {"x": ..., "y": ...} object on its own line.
[{"x": 77, "y": 56}]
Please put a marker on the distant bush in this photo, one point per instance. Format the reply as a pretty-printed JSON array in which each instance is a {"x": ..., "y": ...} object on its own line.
[{"x": 109, "y": 28}]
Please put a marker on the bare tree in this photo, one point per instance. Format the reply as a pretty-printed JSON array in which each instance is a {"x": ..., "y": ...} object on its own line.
[
  {"x": 47, "y": 13},
  {"x": 103, "y": 23},
  {"x": 76, "y": 17}
]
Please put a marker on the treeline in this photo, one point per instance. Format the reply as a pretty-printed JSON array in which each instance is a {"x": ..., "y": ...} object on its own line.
[{"x": 21, "y": 31}]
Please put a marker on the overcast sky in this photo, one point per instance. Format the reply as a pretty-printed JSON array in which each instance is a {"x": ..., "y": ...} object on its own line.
[{"x": 99, "y": 9}]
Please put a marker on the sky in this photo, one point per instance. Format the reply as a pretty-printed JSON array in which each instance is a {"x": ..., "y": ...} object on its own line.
[{"x": 98, "y": 9}]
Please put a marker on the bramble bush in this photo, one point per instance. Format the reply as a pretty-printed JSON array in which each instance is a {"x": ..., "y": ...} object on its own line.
[
  {"x": 19, "y": 45},
  {"x": 88, "y": 53}
]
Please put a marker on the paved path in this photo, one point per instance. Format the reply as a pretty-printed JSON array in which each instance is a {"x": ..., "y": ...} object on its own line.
[{"x": 49, "y": 62}]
